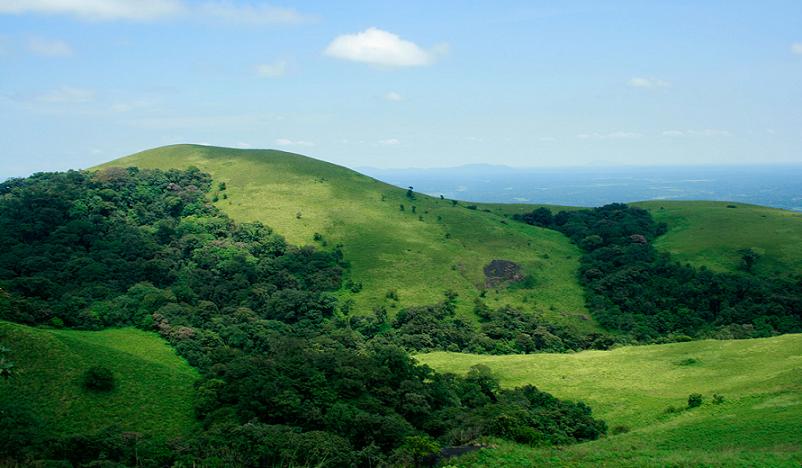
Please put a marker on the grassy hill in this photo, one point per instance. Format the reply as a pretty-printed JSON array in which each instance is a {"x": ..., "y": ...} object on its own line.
[
  {"x": 711, "y": 233},
  {"x": 758, "y": 423},
  {"x": 428, "y": 247},
  {"x": 154, "y": 386}
]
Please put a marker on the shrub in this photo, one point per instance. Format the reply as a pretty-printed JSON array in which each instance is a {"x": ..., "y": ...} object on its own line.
[
  {"x": 620, "y": 429},
  {"x": 694, "y": 400},
  {"x": 99, "y": 379},
  {"x": 718, "y": 399},
  {"x": 688, "y": 362}
]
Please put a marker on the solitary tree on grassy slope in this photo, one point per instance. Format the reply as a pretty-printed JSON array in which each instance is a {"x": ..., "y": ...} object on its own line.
[{"x": 748, "y": 259}]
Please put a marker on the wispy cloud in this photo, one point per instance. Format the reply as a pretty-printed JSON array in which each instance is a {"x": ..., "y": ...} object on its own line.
[
  {"x": 223, "y": 11},
  {"x": 389, "y": 142},
  {"x": 250, "y": 13},
  {"x": 49, "y": 47},
  {"x": 619, "y": 135},
  {"x": 393, "y": 96},
  {"x": 288, "y": 142},
  {"x": 796, "y": 48},
  {"x": 96, "y": 10},
  {"x": 132, "y": 105},
  {"x": 272, "y": 70},
  {"x": 707, "y": 132},
  {"x": 66, "y": 95},
  {"x": 648, "y": 82},
  {"x": 378, "y": 47}
]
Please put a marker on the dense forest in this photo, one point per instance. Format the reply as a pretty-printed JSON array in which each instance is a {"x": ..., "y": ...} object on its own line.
[
  {"x": 288, "y": 377},
  {"x": 634, "y": 289}
]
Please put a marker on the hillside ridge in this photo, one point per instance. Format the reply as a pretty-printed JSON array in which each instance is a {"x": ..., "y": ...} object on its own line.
[{"x": 405, "y": 248}]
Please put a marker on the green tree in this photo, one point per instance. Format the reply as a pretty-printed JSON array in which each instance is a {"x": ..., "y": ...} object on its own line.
[{"x": 748, "y": 259}]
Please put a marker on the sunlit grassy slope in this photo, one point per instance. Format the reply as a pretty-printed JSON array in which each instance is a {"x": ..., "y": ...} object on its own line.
[
  {"x": 154, "y": 389},
  {"x": 711, "y": 233},
  {"x": 759, "y": 423},
  {"x": 420, "y": 251}
]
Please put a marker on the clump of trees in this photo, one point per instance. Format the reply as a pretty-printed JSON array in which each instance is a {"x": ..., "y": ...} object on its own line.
[
  {"x": 632, "y": 288},
  {"x": 505, "y": 330}
]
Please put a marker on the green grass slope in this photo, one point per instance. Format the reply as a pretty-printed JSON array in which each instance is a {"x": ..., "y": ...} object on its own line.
[
  {"x": 710, "y": 234},
  {"x": 757, "y": 425},
  {"x": 154, "y": 389},
  {"x": 420, "y": 254}
]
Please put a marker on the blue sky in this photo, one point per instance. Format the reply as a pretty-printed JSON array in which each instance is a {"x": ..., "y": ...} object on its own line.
[{"x": 403, "y": 84}]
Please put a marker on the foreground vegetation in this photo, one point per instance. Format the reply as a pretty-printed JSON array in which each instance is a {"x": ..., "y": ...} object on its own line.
[{"x": 632, "y": 388}]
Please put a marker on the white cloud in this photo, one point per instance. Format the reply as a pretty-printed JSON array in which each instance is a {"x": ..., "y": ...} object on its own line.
[
  {"x": 288, "y": 142},
  {"x": 378, "y": 47},
  {"x": 619, "y": 135},
  {"x": 49, "y": 47},
  {"x": 226, "y": 11},
  {"x": 393, "y": 96},
  {"x": 707, "y": 132},
  {"x": 96, "y": 10},
  {"x": 66, "y": 95},
  {"x": 644, "y": 82},
  {"x": 796, "y": 48},
  {"x": 272, "y": 70},
  {"x": 389, "y": 142}
]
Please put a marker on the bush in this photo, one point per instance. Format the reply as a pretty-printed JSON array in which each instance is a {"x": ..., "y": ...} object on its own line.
[
  {"x": 688, "y": 362},
  {"x": 620, "y": 429},
  {"x": 718, "y": 399},
  {"x": 671, "y": 410},
  {"x": 694, "y": 400},
  {"x": 99, "y": 379}
]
